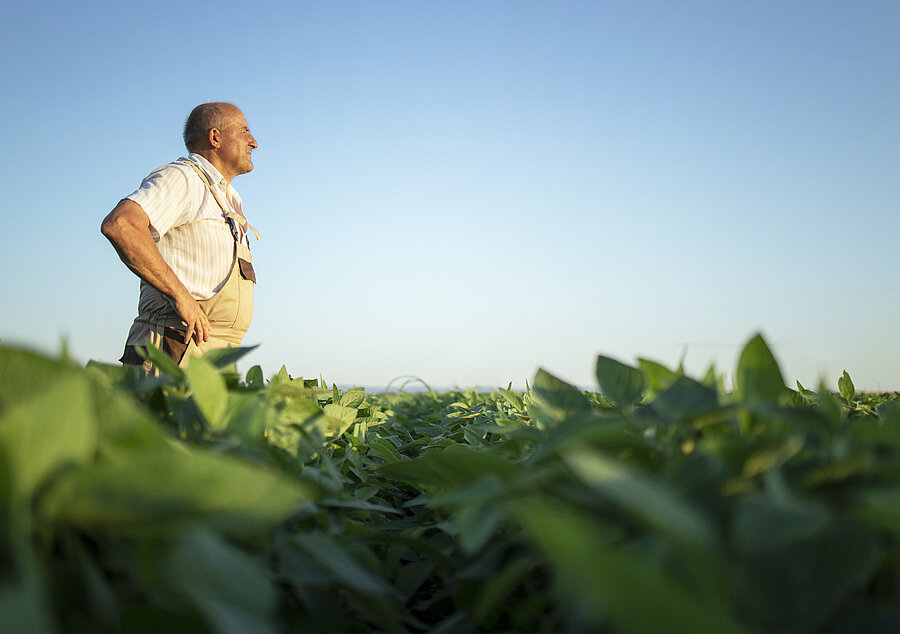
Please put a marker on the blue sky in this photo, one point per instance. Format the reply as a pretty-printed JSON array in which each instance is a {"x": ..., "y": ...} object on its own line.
[{"x": 467, "y": 191}]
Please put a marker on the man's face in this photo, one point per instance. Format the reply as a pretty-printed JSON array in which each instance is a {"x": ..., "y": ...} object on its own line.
[{"x": 237, "y": 144}]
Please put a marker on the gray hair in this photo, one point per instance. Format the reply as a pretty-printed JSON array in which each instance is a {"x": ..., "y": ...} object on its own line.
[{"x": 202, "y": 119}]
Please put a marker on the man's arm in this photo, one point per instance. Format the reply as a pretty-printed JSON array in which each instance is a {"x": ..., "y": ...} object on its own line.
[{"x": 127, "y": 227}]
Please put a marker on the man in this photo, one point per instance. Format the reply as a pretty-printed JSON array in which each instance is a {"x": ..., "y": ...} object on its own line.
[{"x": 183, "y": 232}]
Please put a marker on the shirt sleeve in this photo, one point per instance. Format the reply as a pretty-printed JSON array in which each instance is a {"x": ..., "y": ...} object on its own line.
[{"x": 167, "y": 198}]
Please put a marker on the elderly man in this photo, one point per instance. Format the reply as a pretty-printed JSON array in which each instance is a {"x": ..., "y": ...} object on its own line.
[{"x": 183, "y": 232}]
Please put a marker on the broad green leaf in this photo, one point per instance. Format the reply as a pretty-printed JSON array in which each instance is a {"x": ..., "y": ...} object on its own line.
[
  {"x": 341, "y": 412},
  {"x": 828, "y": 406},
  {"x": 208, "y": 390},
  {"x": 609, "y": 434},
  {"x": 247, "y": 415},
  {"x": 889, "y": 412},
  {"x": 845, "y": 386},
  {"x": 165, "y": 490},
  {"x": 642, "y": 498},
  {"x": 255, "y": 379},
  {"x": 224, "y": 357},
  {"x": 758, "y": 377},
  {"x": 685, "y": 400},
  {"x": 657, "y": 377},
  {"x": 711, "y": 378},
  {"x": 803, "y": 390},
  {"x": 334, "y": 558},
  {"x": 513, "y": 399},
  {"x": 622, "y": 384},
  {"x": 476, "y": 525},
  {"x": 383, "y": 449},
  {"x": 620, "y": 589},
  {"x": 773, "y": 456},
  {"x": 161, "y": 361},
  {"x": 450, "y": 468},
  {"x": 796, "y": 568},
  {"x": 233, "y": 591},
  {"x": 50, "y": 430},
  {"x": 353, "y": 398},
  {"x": 111, "y": 374},
  {"x": 280, "y": 378},
  {"x": 564, "y": 399},
  {"x": 874, "y": 432},
  {"x": 328, "y": 425},
  {"x": 124, "y": 427}
]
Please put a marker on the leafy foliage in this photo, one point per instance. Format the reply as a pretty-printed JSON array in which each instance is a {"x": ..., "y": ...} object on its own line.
[{"x": 201, "y": 500}]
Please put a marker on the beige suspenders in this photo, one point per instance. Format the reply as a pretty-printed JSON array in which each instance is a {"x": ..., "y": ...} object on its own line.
[{"x": 229, "y": 214}]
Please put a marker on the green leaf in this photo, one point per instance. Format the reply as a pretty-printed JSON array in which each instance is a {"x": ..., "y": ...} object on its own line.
[
  {"x": 685, "y": 400},
  {"x": 46, "y": 426},
  {"x": 224, "y": 357},
  {"x": 621, "y": 590},
  {"x": 208, "y": 390},
  {"x": 161, "y": 361},
  {"x": 341, "y": 412},
  {"x": 643, "y": 498},
  {"x": 353, "y": 398},
  {"x": 774, "y": 456},
  {"x": 621, "y": 383},
  {"x": 796, "y": 567},
  {"x": 232, "y": 590},
  {"x": 247, "y": 415},
  {"x": 564, "y": 399},
  {"x": 845, "y": 387},
  {"x": 384, "y": 449},
  {"x": 476, "y": 525},
  {"x": 803, "y": 390},
  {"x": 657, "y": 377},
  {"x": 610, "y": 434},
  {"x": 255, "y": 379},
  {"x": 450, "y": 468},
  {"x": 165, "y": 490},
  {"x": 758, "y": 377},
  {"x": 334, "y": 558}
]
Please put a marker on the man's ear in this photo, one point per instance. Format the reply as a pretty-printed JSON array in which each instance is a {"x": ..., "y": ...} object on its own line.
[{"x": 213, "y": 136}]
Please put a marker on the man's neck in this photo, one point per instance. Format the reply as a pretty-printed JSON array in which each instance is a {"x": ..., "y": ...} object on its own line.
[{"x": 212, "y": 157}]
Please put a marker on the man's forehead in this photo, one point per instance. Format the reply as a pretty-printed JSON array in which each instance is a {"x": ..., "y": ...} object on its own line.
[{"x": 236, "y": 117}]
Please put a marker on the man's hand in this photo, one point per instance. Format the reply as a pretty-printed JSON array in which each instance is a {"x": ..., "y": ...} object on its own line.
[
  {"x": 194, "y": 318},
  {"x": 127, "y": 227}
]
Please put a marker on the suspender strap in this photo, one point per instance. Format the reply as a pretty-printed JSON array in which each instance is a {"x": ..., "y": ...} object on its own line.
[{"x": 226, "y": 211}]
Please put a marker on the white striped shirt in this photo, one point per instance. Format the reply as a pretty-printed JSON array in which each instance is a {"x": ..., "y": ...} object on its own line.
[{"x": 187, "y": 224}]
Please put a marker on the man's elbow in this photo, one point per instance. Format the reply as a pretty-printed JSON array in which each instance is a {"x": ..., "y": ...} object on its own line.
[
  {"x": 111, "y": 227},
  {"x": 119, "y": 221}
]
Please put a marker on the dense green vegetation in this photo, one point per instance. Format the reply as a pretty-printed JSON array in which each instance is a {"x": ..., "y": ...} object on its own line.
[{"x": 203, "y": 500}]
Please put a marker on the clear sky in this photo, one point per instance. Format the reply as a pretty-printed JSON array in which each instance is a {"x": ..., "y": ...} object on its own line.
[{"x": 467, "y": 191}]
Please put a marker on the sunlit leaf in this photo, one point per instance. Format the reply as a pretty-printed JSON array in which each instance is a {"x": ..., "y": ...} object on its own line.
[
  {"x": 623, "y": 384},
  {"x": 845, "y": 386},
  {"x": 758, "y": 376},
  {"x": 208, "y": 390}
]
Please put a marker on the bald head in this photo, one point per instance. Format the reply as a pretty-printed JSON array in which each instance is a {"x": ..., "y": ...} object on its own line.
[{"x": 204, "y": 118}]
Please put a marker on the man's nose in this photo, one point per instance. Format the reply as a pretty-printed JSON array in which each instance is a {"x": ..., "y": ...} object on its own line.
[{"x": 253, "y": 142}]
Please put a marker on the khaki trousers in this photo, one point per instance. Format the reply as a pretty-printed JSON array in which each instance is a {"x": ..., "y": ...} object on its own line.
[{"x": 229, "y": 312}]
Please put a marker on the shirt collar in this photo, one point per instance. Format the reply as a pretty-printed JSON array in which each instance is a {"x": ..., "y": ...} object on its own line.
[{"x": 214, "y": 175}]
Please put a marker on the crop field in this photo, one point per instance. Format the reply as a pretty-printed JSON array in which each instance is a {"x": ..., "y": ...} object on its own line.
[{"x": 207, "y": 500}]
